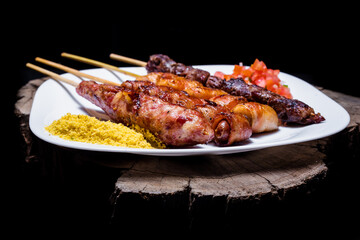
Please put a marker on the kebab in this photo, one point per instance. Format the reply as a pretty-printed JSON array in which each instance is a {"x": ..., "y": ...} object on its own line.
[
  {"x": 173, "y": 124},
  {"x": 288, "y": 110},
  {"x": 262, "y": 118},
  {"x": 227, "y": 127}
]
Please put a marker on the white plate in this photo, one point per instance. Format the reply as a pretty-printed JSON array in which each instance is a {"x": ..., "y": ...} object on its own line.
[{"x": 53, "y": 100}]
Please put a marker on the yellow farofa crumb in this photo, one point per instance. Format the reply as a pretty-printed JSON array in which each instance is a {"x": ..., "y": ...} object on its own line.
[{"x": 83, "y": 128}]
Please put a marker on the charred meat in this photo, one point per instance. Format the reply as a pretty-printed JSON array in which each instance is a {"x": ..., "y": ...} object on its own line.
[{"x": 288, "y": 110}]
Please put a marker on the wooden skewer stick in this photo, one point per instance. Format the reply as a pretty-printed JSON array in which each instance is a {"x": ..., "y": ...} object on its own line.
[
  {"x": 127, "y": 60},
  {"x": 97, "y": 63},
  {"x": 74, "y": 71},
  {"x": 51, "y": 74}
]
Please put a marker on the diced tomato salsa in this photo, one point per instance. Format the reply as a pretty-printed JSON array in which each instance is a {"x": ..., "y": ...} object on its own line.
[{"x": 260, "y": 75}]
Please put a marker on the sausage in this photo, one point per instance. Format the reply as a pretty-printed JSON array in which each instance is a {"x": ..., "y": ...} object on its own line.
[{"x": 262, "y": 118}]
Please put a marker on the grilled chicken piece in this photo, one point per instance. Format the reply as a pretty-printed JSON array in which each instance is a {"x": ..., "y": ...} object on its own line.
[
  {"x": 228, "y": 127},
  {"x": 174, "y": 125},
  {"x": 194, "y": 88}
]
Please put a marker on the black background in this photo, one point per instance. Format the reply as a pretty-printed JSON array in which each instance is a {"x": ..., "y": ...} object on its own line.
[{"x": 315, "y": 43}]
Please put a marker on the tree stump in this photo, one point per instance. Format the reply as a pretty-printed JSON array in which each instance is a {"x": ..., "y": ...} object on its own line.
[{"x": 201, "y": 190}]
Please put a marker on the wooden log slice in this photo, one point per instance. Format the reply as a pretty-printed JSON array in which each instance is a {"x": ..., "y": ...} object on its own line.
[{"x": 189, "y": 187}]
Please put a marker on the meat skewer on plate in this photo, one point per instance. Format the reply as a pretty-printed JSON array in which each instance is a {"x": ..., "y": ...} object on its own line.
[
  {"x": 288, "y": 110},
  {"x": 172, "y": 124},
  {"x": 262, "y": 118},
  {"x": 228, "y": 126}
]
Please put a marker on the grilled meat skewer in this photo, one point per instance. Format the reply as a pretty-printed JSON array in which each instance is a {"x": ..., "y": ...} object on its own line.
[
  {"x": 288, "y": 110},
  {"x": 194, "y": 88},
  {"x": 172, "y": 124},
  {"x": 228, "y": 127},
  {"x": 162, "y": 63},
  {"x": 262, "y": 118}
]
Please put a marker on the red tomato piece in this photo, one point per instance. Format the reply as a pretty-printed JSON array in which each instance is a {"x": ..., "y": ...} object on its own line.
[{"x": 260, "y": 75}]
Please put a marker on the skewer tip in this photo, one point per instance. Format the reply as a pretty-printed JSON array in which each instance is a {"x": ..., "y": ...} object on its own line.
[{"x": 128, "y": 60}]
